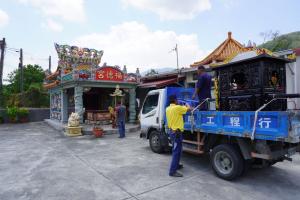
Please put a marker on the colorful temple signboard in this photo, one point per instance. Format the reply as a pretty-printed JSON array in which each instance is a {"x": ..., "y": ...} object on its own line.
[{"x": 109, "y": 74}]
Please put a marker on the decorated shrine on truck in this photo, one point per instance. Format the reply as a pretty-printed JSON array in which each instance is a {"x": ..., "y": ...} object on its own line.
[{"x": 80, "y": 85}]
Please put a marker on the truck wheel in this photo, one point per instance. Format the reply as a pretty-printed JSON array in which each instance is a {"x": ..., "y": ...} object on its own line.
[
  {"x": 247, "y": 165},
  {"x": 155, "y": 142},
  {"x": 227, "y": 162}
]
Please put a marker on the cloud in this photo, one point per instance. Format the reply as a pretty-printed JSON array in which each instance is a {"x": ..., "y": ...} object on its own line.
[
  {"x": 134, "y": 45},
  {"x": 3, "y": 18},
  {"x": 171, "y": 9},
  {"x": 53, "y": 26},
  {"x": 229, "y": 4},
  {"x": 68, "y": 10}
]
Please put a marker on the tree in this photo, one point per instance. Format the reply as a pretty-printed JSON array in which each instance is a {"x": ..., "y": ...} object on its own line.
[
  {"x": 269, "y": 35},
  {"x": 33, "y": 74},
  {"x": 274, "y": 35},
  {"x": 282, "y": 42},
  {"x": 33, "y": 95},
  {"x": 151, "y": 72}
]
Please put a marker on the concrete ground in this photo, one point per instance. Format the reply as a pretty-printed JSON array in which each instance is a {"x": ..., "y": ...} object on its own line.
[
  {"x": 87, "y": 129},
  {"x": 37, "y": 162}
]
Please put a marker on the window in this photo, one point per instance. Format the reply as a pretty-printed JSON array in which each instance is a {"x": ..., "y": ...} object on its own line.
[
  {"x": 275, "y": 79},
  {"x": 195, "y": 76},
  {"x": 238, "y": 81},
  {"x": 150, "y": 103}
]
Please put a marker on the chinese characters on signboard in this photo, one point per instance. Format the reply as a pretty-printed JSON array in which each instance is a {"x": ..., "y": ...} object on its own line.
[
  {"x": 210, "y": 120},
  {"x": 109, "y": 74},
  {"x": 264, "y": 122},
  {"x": 235, "y": 121}
]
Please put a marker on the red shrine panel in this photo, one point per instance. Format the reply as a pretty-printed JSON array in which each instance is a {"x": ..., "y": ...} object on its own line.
[{"x": 109, "y": 74}]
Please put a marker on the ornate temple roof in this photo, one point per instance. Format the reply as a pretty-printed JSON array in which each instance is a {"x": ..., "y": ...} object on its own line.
[
  {"x": 53, "y": 76},
  {"x": 74, "y": 54},
  {"x": 51, "y": 84},
  {"x": 250, "y": 56},
  {"x": 226, "y": 49}
]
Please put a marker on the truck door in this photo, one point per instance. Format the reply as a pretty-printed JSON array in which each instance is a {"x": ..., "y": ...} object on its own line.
[{"x": 150, "y": 113}]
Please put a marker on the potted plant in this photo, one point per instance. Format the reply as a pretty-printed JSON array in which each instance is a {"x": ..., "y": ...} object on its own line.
[
  {"x": 12, "y": 114},
  {"x": 23, "y": 114},
  {"x": 98, "y": 131}
]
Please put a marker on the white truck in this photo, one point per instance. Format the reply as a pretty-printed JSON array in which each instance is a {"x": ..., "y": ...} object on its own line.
[{"x": 234, "y": 139}]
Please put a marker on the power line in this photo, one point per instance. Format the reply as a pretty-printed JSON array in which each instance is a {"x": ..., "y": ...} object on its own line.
[
  {"x": 13, "y": 49},
  {"x": 12, "y": 52},
  {"x": 32, "y": 56}
]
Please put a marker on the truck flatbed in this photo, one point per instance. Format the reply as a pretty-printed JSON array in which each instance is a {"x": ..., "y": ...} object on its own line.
[{"x": 270, "y": 125}]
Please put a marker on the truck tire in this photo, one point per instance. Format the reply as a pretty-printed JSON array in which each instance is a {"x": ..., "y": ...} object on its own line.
[
  {"x": 155, "y": 142},
  {"x": 247, "y": 166},
  {"x": 227, "y": 161}
]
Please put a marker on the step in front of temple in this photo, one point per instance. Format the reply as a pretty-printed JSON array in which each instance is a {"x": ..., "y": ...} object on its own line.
[{"x": 87, "y": 129}]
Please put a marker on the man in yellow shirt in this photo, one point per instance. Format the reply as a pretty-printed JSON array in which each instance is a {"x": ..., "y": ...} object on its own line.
[{"x": 174, "y": 115}]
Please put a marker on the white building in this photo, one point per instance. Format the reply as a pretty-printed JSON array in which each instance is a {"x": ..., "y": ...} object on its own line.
[{"x": 292, "y": 75}]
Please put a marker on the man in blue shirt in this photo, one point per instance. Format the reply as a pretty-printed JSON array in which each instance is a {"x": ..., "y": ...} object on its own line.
[
  {"x": 203, "y": 87},
  {"x": 120, "y": 115}
]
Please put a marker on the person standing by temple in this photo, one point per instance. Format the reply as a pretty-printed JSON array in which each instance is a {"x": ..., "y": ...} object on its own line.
[
  {"x": 203, "y": 87},
  {"x": 175, "y": 123},
  {"x": 121, "y": 116}
]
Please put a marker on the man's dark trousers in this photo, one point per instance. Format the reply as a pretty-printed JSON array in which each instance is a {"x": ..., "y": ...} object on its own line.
[
  {"x": 121, "y": 126},
  {"x": 204, "y": 106},
  {"x": 176, "y": 139}
]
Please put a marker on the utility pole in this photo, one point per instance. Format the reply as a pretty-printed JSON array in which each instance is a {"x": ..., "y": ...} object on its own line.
[
  {"x": 50, "y": 64},
  {"x": 21, "y": 78},
  {"x": 176, "y": 49},
  {"x": 2, "y": 47}
]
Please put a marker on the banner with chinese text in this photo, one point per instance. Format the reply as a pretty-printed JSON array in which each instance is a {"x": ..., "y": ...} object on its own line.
[{"x": 109, "y": 74}]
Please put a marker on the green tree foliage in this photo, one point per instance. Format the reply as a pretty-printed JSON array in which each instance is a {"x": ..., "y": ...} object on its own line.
[
  {"x": 6, "y": 94},
  {"x": 287, "y": 41},
  {"x": 34, "y": 98},
  {"x": 34, "y": 95},
  {"x": 33, "y": 74}
]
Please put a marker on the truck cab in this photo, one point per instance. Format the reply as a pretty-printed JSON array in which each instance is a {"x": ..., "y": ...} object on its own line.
[{"x": 152, "y": 121}]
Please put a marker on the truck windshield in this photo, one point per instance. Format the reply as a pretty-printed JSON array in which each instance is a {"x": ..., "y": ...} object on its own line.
[{"x": 150, "y": 103}]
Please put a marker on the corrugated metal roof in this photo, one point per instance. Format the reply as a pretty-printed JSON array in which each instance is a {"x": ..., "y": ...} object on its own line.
[{"x": 244, "y": 56}]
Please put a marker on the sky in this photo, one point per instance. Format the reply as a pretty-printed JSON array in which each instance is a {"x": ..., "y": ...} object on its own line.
[{"x": 137, "y": 33}]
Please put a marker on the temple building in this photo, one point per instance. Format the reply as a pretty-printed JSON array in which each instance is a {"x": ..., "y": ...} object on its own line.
[
  {"x": 80, "y": 85},
  {"x": 229, "y": 48}
]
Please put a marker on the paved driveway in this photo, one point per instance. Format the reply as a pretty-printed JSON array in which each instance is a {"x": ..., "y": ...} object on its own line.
[{"x": 37, "y": 162}]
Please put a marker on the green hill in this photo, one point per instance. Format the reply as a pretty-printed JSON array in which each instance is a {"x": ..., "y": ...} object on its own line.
[{"x": 282, "y": 42}]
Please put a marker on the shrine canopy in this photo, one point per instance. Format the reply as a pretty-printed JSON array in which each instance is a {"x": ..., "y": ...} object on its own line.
[
  {"x": 251, "y": 54},
  {"x": 230, "y": 47},
  {"x": 77, "y": 64}
]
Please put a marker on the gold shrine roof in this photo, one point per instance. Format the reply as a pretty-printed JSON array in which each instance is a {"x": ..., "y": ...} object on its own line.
[{"x": 226, "y": 49}]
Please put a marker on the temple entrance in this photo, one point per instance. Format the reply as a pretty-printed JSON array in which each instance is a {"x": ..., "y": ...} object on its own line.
[{"x": 97, "y": 101}]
